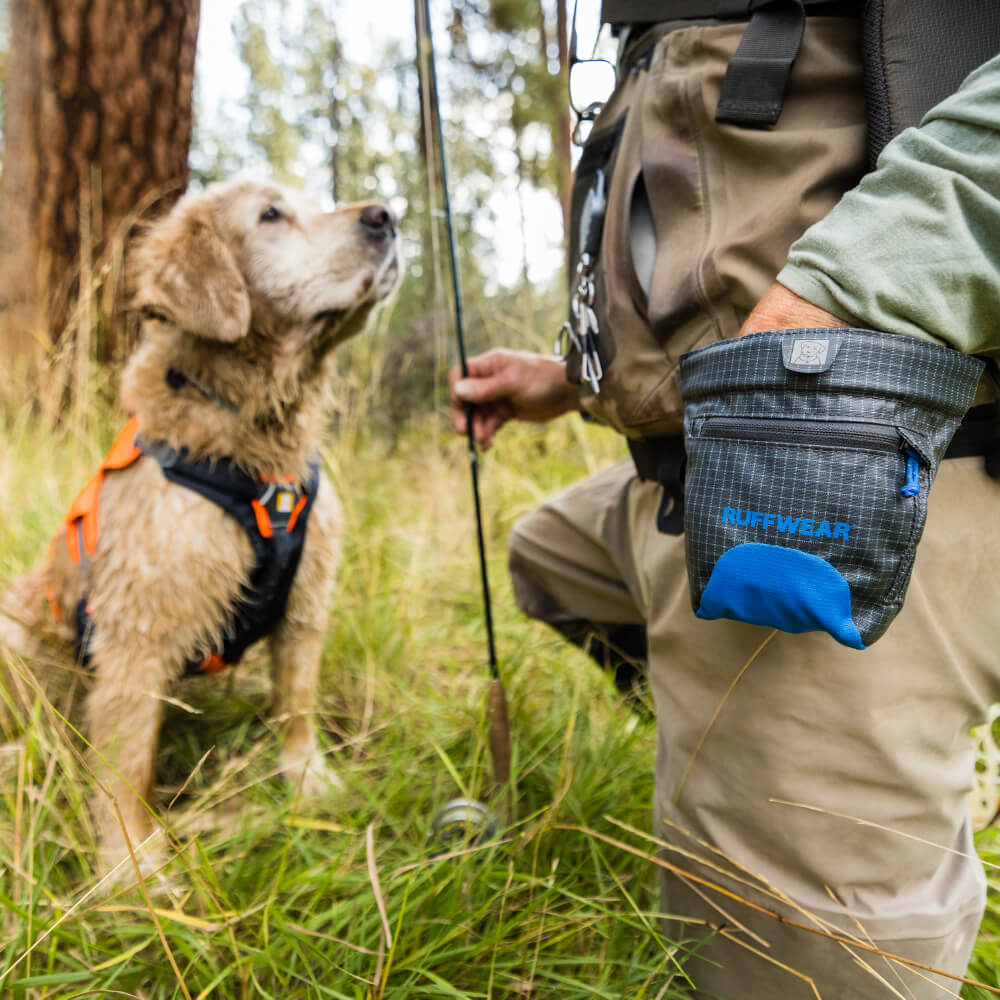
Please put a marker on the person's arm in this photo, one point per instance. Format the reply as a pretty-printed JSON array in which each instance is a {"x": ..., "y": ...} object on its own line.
[
  {"x": 507, "y": 385},
  {"x": 915, "y": 248},
  {"x": 782, "y": 309}
]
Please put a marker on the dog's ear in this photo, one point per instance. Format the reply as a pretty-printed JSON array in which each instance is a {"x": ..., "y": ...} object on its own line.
[{"x": 185, "y": 272}]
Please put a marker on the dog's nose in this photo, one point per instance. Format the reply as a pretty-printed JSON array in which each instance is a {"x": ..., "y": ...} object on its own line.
[{"x": 378, "y": 220}]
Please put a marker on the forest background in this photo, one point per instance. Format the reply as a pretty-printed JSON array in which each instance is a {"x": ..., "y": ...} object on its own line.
[{"x": 111, "y": 108}]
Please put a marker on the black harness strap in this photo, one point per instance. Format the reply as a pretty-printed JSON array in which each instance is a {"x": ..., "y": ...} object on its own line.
[
  {"x": 277, "y": 553},
  {"x": 648, "y": 11}
]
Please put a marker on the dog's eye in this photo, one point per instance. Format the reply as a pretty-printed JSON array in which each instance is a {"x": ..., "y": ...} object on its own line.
[{"x": 270, "y": 214}]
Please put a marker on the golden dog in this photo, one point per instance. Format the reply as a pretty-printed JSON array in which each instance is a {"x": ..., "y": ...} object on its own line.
[{"x": 244, "y": 292}]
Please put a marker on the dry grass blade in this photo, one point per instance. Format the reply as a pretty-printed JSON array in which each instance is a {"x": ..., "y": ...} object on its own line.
[
  {"x": 730, "y": 920},
  {"x": 450, "y": 856},
  {"x": 716, "y": 713},
  {"x": 385, "y": 943},
  {"x": 879, "y": 826},
  {"x": 729, "y": 936},
  {"x": 864, "y": 938},
  {"x": 342, "y": 942},
  {"x": 149, "y": 904},
  {"x": 829, "y": 935}
]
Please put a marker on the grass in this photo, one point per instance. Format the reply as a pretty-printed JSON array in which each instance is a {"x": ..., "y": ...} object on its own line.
[{"x": 266, "y": 897}]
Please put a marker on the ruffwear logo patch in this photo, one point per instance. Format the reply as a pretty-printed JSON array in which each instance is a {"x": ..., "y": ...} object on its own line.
[
  {"x": 809, "y": 527},
  {"x": 810, "y": 352},
  {"x": 809, "y": 355}
]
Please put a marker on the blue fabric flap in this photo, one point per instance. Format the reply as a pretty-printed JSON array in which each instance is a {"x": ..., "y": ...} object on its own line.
[{"x": 783, "y": 588}]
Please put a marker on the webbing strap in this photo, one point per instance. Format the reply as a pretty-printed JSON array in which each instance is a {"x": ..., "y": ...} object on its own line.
[
  {"x": 650, "y": 11},
  {"x": 757, "y": 74},
  {"x": 662, "y": 460},
  {"x": 647, "y": 11}
]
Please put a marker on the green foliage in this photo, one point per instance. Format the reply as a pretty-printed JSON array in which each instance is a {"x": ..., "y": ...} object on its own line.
[
  {"x": 985, "y": 964},
  {"x": 270, "y": 896},
  {"x": 271, "y": 130}
]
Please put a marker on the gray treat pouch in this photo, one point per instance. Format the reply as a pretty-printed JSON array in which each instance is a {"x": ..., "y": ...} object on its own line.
[{"x": 810, "y": 454}]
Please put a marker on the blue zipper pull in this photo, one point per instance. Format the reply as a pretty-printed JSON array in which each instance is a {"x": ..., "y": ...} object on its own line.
[{"x": 912, "y": 486}]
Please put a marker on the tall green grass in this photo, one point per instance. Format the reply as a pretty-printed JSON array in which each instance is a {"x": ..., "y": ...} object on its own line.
[{"x": 267, "y": 896}]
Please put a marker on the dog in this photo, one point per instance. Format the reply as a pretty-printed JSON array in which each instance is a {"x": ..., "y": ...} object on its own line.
[{"x": 244, "y": 291}]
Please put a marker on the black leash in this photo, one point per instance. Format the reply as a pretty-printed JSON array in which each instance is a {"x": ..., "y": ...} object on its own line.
[{"x": 499, "y": 723}]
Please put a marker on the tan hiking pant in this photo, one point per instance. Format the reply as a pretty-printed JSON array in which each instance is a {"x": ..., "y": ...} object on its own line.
[
  {"x": 820, "y": 783},
  {"x": 873, "y": 747}
]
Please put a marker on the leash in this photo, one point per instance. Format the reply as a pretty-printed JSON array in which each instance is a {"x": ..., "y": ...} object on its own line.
[{"x": 498, "y": 717}]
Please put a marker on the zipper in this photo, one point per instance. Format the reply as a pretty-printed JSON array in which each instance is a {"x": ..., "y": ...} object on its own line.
[
  {"x": 912, "y": 485},
  {"x": 833, "y": 434},
  {"x": 830, "y": 434}
]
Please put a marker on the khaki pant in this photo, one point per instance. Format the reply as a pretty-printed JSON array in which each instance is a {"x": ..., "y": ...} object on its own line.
[
  {"x": 825, "y": 784},
  {"x": 872, "y": 747}
]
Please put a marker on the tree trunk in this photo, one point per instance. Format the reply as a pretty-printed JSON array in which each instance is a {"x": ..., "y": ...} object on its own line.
[{"x": 98, "y": 126}]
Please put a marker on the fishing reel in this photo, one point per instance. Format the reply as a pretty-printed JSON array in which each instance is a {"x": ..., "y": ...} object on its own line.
[{"x": 462, "y": 823}]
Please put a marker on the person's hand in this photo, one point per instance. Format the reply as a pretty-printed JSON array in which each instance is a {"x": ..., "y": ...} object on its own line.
[
  {"x": 782, "y": 309},
  {"x": 506, "y": 385}
]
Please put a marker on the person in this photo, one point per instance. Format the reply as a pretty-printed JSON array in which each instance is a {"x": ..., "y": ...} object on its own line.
[{"x": 822, "y": 784}]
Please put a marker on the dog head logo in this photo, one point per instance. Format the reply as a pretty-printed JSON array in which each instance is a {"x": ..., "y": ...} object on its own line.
[
  {"x": 810, "y": 352},
  {"x": 809, "y": 355}
]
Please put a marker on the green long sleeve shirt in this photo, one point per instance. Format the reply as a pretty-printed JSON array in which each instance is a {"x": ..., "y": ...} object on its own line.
[{"x": 915, "y": 248}]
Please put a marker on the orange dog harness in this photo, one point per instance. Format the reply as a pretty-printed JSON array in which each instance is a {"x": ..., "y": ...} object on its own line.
[{"x": 272, "y": 513}]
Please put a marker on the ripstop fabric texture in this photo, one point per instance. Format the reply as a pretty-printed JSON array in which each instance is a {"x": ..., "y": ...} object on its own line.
[{"x": 810, "y": 455}]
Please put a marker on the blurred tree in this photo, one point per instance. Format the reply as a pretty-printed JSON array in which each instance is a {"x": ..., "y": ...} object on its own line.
[
  {"x": 519, "y": 50},
  {"x": 97, "y": 124},
  {"x": 339, "y": 104},
  {"x": 272, "y": 132},
  {"x": 4, "y": 56},
  {"x": 356, "y": 131}
]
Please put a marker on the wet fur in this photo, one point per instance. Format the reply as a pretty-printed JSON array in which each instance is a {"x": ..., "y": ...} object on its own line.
[{"x": 249, "y": 307}]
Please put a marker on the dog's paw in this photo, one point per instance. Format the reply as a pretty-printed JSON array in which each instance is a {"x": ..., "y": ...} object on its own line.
[{"x": 309, "y": 774}]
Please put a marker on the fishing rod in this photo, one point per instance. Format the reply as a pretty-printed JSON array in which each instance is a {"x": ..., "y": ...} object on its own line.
[{"x": 499, "y": 721}]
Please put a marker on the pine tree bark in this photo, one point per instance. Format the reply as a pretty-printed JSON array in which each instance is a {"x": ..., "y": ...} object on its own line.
[{"x": 97, "y": 126}]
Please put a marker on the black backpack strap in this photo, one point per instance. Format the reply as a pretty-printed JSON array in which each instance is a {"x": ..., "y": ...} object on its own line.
[
  {"x": 663, "y": 460},
  {"x": 649, "y": 11},
  {"x": 619, "y": 12},
  {"x": 757, "y": 74}
]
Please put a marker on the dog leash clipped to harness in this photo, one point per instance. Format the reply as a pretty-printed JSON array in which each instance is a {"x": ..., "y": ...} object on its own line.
[{"x": 500, "y": 748}]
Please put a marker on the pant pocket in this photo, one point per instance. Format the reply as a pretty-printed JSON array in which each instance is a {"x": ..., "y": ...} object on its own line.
[{"x": 810, "y": 455}]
